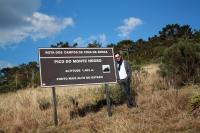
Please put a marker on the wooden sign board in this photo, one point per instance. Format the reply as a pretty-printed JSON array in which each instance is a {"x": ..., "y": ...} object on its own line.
[{"x": 76, "y": 66}]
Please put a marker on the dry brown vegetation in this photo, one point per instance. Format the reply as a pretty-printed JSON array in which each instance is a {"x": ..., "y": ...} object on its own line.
[{"x": 161, "y": 108}]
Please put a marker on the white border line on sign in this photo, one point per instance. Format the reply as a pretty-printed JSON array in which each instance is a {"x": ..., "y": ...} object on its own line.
[
  {"x": 40, "y": 68},
  {"x": 76, "y": 57},
  {"x": 76, "y": 48},
  {"x": 80, "y": 84}
]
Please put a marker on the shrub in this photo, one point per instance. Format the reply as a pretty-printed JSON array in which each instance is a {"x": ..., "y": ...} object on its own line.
[
  {"x": 8, "y": 88},
  {"x": 44, "y": 103},
  {"x": 116, "y": 94},
  {"x": 195, "y": 102},
  {"x": 181, "y": 63},
  {"x": 98, "y": 94},
  {"x": 136, "y": 67},
  {"x": 73, "y": 101},
  {"x": 73, "y": 107}
]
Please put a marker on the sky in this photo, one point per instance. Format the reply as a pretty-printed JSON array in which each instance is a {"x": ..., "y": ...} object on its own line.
[{"x": 26, "y": 25}]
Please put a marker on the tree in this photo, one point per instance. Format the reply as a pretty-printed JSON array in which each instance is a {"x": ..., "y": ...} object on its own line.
[
  {"x": 64, "y": 45},
  {"x": 175, "y": 31},
  {"x": 196, "y": 36},
  {"x": 124, "y": 45},
  {"x": 94, "y": 44},
  {"x": 4, "y": 72},
  {"x": 111, "y": 45},
  {"x": 33, "y": 69},
  {"x": 61, "y": 45},
  {"x": 74, "y": 45},
  {"x": 18, "y": 77}
]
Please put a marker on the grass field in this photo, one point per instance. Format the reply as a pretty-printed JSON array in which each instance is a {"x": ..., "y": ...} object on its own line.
[{"x": 161, "y": 108}]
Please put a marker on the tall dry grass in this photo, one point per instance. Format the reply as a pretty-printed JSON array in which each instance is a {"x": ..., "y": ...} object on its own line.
[
  {"x": 161, "y": 108},
  {"x": 21, "y": 111}
]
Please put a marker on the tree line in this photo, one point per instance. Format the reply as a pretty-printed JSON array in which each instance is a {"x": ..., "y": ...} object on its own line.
[{"x": 176, "y": 48}]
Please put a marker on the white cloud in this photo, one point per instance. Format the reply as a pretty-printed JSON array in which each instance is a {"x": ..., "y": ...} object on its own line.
[
  {"x": 4, "y": 64},
  {"x": 79, "y": 40},
  {"x": 100, "y": 38},
  {"x": 128, "y": 26},
  {"x": 20, "y": 22},
  {"x": 91, "y": 39},
  {"x": 43, "y": 26},
  {"x": 103, "y": 39},
  {"x": 8, "y": 37}
]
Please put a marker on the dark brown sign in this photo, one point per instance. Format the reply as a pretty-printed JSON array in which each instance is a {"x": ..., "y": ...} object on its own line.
[{"x": 76, "y": 66}]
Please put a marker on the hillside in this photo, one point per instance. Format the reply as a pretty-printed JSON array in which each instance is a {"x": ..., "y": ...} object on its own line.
[{"x": 161, "y": 108}]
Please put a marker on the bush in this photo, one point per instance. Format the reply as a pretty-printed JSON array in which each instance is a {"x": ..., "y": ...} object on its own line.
[
  {"x": 98, "y": 94},
  {"x": 8, "y": 88},
  {"x": 44, "y": 103},
  {"x": 181, "y": 63},
  {"x": 195, "y": 104},
  {"x": 136, "y": 67},
  {"x": 116, "y": 94}
]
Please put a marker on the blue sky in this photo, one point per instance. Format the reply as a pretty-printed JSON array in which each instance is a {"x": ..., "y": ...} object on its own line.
[{"x": 26, "y": 25}]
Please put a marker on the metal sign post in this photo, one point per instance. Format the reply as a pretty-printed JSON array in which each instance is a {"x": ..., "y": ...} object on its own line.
[
  {"x": 108, "y": 100},
  {"x": 54, "y": 103}
]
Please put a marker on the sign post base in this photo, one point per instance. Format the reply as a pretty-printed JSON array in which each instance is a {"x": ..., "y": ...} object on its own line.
[
  {"x": 108, "y": 100},
  {"x": 54, "y": 103}
]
